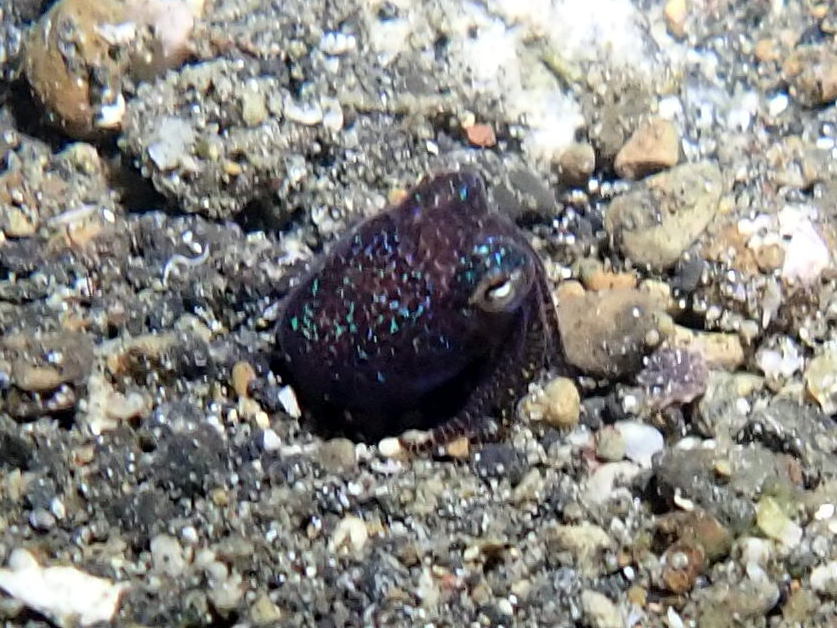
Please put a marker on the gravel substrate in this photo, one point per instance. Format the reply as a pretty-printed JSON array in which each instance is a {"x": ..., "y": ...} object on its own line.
[{"x": 169, "y": 172}]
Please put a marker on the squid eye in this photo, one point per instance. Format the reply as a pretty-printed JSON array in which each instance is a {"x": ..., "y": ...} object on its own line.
[{"x": 497, "y": 293}]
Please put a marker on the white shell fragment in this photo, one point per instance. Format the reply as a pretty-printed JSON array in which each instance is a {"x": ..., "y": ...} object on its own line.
[
  {"x": 641, "y": 441},
  {"x": 66, "y": 595}
]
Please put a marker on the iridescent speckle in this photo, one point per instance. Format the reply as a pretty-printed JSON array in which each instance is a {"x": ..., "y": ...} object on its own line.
[{"x": 433, "y": 315}]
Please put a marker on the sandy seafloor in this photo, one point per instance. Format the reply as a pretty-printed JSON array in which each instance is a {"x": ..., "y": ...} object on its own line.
[{"x": 139, "y": 264}]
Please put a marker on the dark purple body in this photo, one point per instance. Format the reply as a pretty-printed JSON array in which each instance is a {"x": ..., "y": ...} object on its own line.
[{"x": 434, "y": 315}]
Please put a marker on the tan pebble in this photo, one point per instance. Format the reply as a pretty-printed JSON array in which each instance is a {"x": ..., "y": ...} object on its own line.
[
  {"x": 606, "y": 333},
  {"x": 562, "y": 403},
  {"x": 83, "y": 455},
  {"x": 610, "y": 444},
  {"x": 253, "y": 108},
  {"x": 722, "y": 468},
  {"x": 654, "y": 146},
  {"x": 481, "y": 135},
  {"x": 220, "y": 497},
  {"x": 577, "y": 163},
  {"x": 36, "y": 378},
  {"x": 19, "y": 223},
  {"x": 637, "y": 595},
  {"x": 232, "y": 168},
  {"x": 568, "y": 290},
  {"x": 243, "y": 375},
  {"x": 770, "y": 257},
  {"x": 459, "y": 449},
  {"x": 675, "y": 14},
  {"x": 812, "y": 73},
  {"x": 718, "y": 349},
  {"x": 765, "y": 50},
  {"x": 605, "y": 280},
  {"x": 264, "y": 612},
  {"x": 821, "y": 380}
]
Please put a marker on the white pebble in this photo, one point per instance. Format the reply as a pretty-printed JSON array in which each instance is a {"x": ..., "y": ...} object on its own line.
[
  {"x": 271, "y": 440},
  {"x": 641, "y": 441}
]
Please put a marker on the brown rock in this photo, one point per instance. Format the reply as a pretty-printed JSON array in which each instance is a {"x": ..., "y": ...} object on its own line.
[
  {"x": 243, "y": 375},
  {"x": 577, "y": 163},
  {"x": 658, "y": 220},
  {"x": 682, "y": 563},
  {"x": 40, "y": 363},
  {"x": 812, "y": 74},
  {"x": 481, "y": 135},
  {"x": 653, "y": 147},
  {"x": 608, "y": 333}
]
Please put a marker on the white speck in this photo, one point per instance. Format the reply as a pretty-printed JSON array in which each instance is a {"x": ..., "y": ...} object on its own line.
[
  {"x": 673, "y": 619},
  {"x": 777, "y": 105},
  {"x": 271, "y": 440},
  {"x": 287, "y": 397},
  {"x": 110, "y": 115},
  {"x": 336, "y": 43},
  {"x": 189, "y": 534},
  {"x": 670, "y": 108},
  {"x": 825, "y": 511}
]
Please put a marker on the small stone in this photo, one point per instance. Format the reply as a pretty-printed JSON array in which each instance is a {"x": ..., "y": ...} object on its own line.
[
  {"x": 656, "y": 221},
  {"x": 607, "y": 333},
  {"x": 653, "y": 147},
  {"x": 682, "y": 563},
  {"x": 243, "y": 375},
  {"x": 766, "y": 50},
  {"x": 481, "y": 135},
  {"x": 610, "y": 445},
  {"x": 640, "y": 441},
  {"x": 770, "y": 257},
  {"x": 350, "y": 534},
  {"x": 390, "y": 447},
  {"x": 271, "y": 440},
  {"x": 66, "y": 595},
  {"x": 263, "y": 612},
  {"x": 253, "y": 107},
  {"x": 812, "y": 72},
  {"x": 775, "y": 524},
  {"x": 599, "y": 611},
  {"x": 577, "y": 163},
  {"x": 287, "y": 397},
  {"x": 41, "y": 519},
  {"x": 821, "y": 380},
  {"x": 167, "y": 555},
  {"x": 171, "y": 143},
  {"x": 504, "y": 607},
  {"x": 226, "y": 594},
  {"x": 675, "y": 13},
  {"x": 597, "y": 279},
  {"x": 672, "y": 376},
  {"x": 585, "y": 541},
  {"x": 459, "y": 448},
  {"x": 824, "y": 579},
  {"x": 561, "y": 403}
]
